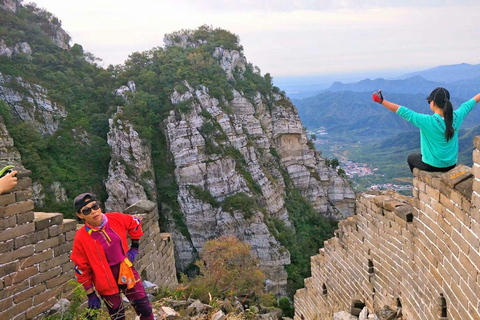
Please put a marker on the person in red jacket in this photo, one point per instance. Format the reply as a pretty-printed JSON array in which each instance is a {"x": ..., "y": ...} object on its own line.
[{"x": 100, "y": 251}]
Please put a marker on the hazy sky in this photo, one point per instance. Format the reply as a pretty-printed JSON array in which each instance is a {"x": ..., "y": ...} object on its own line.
[{"x": 296, "y": 37}]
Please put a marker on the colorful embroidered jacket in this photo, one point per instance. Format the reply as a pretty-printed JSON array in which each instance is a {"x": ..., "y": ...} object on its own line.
[{"x": 91, "y": 265}]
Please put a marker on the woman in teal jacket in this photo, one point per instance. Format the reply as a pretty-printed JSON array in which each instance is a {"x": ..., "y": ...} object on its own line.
[{"x": 438, "y": 132}]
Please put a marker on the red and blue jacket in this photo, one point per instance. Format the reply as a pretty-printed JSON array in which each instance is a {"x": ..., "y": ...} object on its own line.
[{"x": 91, "y": 265}]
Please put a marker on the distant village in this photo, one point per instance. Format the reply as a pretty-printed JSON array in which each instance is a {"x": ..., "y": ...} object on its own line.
[{"x": 355, "y": 169}]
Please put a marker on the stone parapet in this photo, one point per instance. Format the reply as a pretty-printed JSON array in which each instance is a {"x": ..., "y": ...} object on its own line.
[
  {"x": 155, "y": 260},
  {"x": 35, "y": 251},
  {"x": 35, "y": 248},
  {"x": 422, "y": 250}
]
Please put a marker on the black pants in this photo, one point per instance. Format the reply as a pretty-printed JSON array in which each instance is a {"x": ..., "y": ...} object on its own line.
[{"x": 415, "y": 161}]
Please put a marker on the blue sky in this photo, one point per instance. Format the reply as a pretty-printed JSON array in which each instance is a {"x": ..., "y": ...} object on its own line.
[{"x": 287, "y": 38}]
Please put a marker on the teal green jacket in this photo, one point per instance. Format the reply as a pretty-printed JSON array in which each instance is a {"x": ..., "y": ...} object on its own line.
[{"x": 436, "y": 150}]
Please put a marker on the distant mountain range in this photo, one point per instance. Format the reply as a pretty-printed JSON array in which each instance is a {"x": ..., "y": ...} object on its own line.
[
  {"x": 462, "y": 80},
  {"x": 448, "y": 73},
  {"x": 370, "y": 133},
  {"x": 462, "y": 89}
]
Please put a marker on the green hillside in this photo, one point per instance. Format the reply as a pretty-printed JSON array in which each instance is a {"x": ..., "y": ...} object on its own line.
[{"x": 82, "y": 87}]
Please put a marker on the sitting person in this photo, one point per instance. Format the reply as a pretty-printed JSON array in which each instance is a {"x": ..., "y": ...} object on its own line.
[
  {"x": 438, "y": 132},
  {"x": 102, "y": 258}
]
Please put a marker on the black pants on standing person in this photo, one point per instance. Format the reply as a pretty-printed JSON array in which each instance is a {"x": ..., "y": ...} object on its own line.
[{"x": 415, "y": 161}]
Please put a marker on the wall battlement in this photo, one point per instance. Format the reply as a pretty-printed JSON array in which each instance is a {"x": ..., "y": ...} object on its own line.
[
  {"x": 35, "y": 247},
  {"x": 424, "y": 250}
]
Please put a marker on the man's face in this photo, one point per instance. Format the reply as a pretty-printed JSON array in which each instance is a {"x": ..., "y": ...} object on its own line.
[{"x": 91, "y": 213}]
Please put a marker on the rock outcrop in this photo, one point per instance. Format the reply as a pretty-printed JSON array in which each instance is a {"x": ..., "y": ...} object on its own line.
[
  {"x": 244, "y": 149},
  {"x": 130, "y": 174},
  {"x": 31, "y": 104},
  {"x": 9, "y": 5}
]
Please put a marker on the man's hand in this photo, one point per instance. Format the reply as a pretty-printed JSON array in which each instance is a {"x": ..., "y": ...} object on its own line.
[
  {"x": 377, "y": 96},
  {"x": 94, "y": 301}
]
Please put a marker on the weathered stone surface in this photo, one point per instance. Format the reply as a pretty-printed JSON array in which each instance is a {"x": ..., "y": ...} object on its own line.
[
  {"x": 130, "y": 173},
  {"x": 44, "y": 220},
  {"x": 236, "y": 158},
  {"x": 456, "y": 175},
  {"x": 32, "y": 104}
]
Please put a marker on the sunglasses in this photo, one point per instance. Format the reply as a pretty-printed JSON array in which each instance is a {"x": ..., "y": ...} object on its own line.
[
  {"x": 428, "y": 101},
  {"x": 87, "y": 211}
]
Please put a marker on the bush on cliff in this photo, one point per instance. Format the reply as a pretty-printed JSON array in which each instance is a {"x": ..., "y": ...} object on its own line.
[{"x": 227, "y": 269}]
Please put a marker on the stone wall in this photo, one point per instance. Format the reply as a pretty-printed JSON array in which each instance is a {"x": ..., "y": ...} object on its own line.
[
  {"x": 422, "y": 250},
  {"x": 35, "y": 248},
  {"x": 155, "y": 259}
]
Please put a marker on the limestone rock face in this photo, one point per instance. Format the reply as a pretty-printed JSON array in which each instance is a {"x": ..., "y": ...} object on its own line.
[
  {"x": 32, "y": 104},
  {"x": 5, "y": 50},
  {"x": 22, "y": 47},
  {"x": 230, "y": 60},
  {"x": 9, "y": 5},
  {"x": 38, "y": 193},
  {"x": 130, "y": 173},
  {"x": 217, "y": 175},
  {"x": 248, "y": 150}
]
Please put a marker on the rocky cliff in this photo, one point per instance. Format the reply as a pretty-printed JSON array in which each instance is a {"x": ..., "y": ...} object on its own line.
[
  {"x": 192, "y": 126},
  {"x": 243, "y": 151}
]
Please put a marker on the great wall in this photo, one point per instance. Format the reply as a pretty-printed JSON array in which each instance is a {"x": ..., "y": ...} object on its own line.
[{"x": 420, "y": 253}]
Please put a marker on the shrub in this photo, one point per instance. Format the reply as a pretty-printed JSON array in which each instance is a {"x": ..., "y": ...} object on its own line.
[{"x": 227, "y": 268}]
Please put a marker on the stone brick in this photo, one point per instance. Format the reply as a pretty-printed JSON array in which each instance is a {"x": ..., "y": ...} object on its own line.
[
  {"x": 404, "y": 212},
  {"x": 433, "y": 193},
  {"x": 9, "y": 268},
  {"x": 38, "y": 258},
  {"x": 476, "y": 142},
  {"x": 31, "y": 238},
  {"x": 471, "y": 238},
  {"x": 456, "y": 175},
  {"x": 55, "y": 262},
  {"x": 6, "y": 246},
  {"x": 6, "y": 199},
  {"x": 57, "y": 281},
  {"x": 22, "y": 184},
  {"x": 8, "y": 222},
  {"x": 44, "y": 220},
  {"x": 49, "y": 243},
  {"x": 65, "y": 248},
  {"x": 31, "y": 292},
  {"x": 17, "y": 254},
  {"x": 16, "y": 208},
  {"x": 67, "y": 225},
  {"x": 16, "y": 309},
  {"x": 465, "y": 188},
  {"x": 42, "y": 307},
  {"x": 476, "y": 170},
  {"x": 23, "y": 195},
  {"x": 26, "y": 217},
  {"x": 140, "y": 207},
  {"x": 17, "y": 231},
  {"x": 46, "y": 295},
  {"x": 21, "y": 275},
  {"x": 69, "y": 236},
  {"x": 41, "y": 277}
]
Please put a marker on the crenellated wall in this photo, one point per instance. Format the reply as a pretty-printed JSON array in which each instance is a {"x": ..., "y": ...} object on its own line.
[
  {"x": 35, "y": 248},
  {"x": 423, "y": 250}
]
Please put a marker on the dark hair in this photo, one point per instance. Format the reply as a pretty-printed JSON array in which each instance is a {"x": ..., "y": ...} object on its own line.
[{"x": 441, "y": 97}]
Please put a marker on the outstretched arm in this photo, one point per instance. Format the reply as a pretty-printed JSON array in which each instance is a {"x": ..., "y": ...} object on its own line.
[
  {"x": 477, "y": 98},
  {"x": 390, "y": 106},
  {"x": 378, "y": 97}
]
